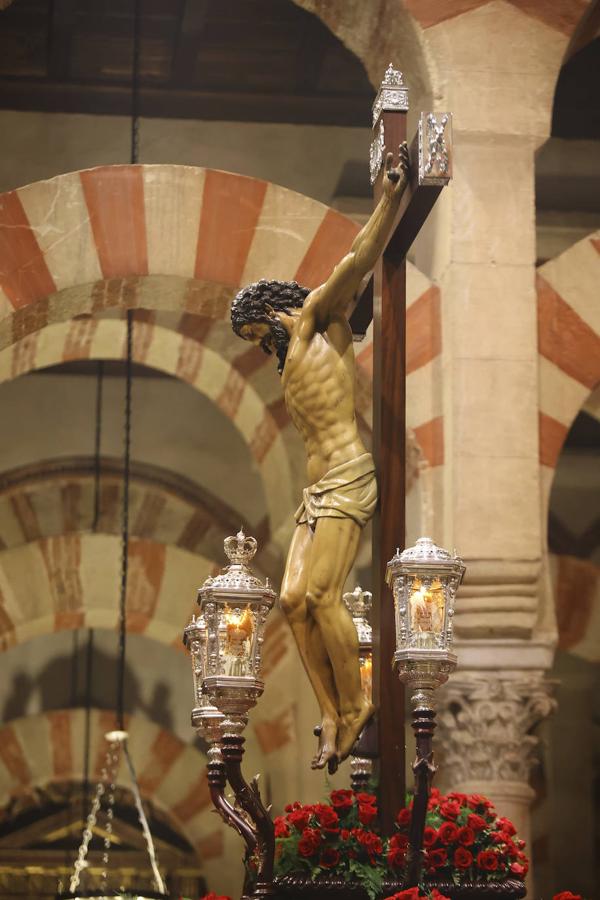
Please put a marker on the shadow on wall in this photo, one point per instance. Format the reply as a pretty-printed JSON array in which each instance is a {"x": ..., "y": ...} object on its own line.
[{"x": 86, "y": 678}]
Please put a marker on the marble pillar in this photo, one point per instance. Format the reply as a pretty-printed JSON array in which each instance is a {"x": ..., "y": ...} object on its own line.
[{"x": 486, "y": 741}]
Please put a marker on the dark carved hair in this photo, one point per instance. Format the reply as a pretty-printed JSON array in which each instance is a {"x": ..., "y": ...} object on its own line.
[{"x": 248, "y": 306}]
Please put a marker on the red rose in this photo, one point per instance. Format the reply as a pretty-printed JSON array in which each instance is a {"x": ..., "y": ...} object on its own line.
[
  {"x": 366, "y": 814},
  {"x": 460, "y": 798},
  {"x": 403, "y": 817},
  {"x": 476, "y": 822},
  {"x": 450, "y": 809},
  {"x": 409, "y": 894},
  {"x": 487, "y": 860},
  {"x": 447, "y": 832},
  {"x": 463, "y": 858},
  {"x": 436, "y": 895},
  {"x": 511, "y": 850},
  {"x": 466, "y": 836},
  {"x": 429, "y": 836},
  {"x": 506, "y": 826},
  {"x": 399, "y": 842},
  {"x": 345, "y": 834},
  {"x": 521, "y": 870},
  {"x": 434, "y": 799},
  {"x": 566, "y": 895},
  {"x": 476, "y": 800},
  {"x": 327, "y": 818},
  {"x": 436, "y": 858},
  {"x": 329, "y": 858},
  {"x": 213, "y": 896},
  {"x": 299, "y": 818},
  {"x": 370, "y": 841},
  {"x": 396, "y": 857},
  {"x": 309, "y": 842},
  {"x": 342, "y": 799},
  {"x": 366, "y": 799},
  {"x": 281, "y": 827}
]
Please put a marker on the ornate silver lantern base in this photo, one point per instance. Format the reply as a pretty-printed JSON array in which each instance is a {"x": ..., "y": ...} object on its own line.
[{"x": 361, "y": 773}]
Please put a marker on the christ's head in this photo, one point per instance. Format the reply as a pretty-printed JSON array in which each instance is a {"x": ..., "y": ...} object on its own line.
[{"x": 256, "y": 310}]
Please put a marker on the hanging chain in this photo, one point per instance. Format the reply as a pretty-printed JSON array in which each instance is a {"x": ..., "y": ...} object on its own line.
[
  {"x": 110, "y": 813},
  {"x": 109, "y": 771},
  {"x": 158, "y": 882},
  {"x": 97, "y": 444},
  {"x": 89, "y": 660},
  {"x": 125, "y": 526},
  {"x": 107, "y": 776},
  {"x": 135, "y": 92}
]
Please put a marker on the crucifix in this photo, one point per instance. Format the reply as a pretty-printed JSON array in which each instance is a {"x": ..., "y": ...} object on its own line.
[
  {"x": 310, "y": 333},
  {"x": 384, "y": 302}
]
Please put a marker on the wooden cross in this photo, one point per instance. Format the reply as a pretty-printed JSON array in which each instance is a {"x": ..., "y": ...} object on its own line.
[{"x": 384, "y": 301}]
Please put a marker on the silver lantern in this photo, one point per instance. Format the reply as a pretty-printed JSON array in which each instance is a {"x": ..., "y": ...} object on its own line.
[
  {"x": 206, "y": 718},
  {"x": 234, "y": 606},
  {"x": 424, "y": 580},
  {"x": 358, "y": 603}
]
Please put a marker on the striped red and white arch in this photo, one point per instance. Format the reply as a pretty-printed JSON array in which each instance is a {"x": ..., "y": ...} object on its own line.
[
  {"x": 569, "y": 345},
  {"x": 49, "y": 747},
  {"x": 179, "y": 240}
]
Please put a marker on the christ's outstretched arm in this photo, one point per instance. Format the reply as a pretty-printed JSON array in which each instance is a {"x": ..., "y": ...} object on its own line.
[{"x": 333, "y": 297}]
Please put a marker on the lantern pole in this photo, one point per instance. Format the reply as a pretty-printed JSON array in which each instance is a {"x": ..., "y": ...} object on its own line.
[
  {"x": 424, "y": 580},
  {"x": 358, "y": 604},
  {"x": 225, "y": 642}
]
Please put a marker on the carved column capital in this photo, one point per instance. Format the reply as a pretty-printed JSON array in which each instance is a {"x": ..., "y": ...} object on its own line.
[{"x": 484, "y": 725}]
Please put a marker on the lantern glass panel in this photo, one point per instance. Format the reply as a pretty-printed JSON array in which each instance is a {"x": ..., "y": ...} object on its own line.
[
  {"x": 237, "y": 654},
  {"x": 195, "y": 639},
  {"x": 427, "y": 607},
  {"x": 366, "y": 675}
]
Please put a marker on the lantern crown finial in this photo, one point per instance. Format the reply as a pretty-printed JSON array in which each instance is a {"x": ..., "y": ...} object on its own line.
[
  {"x": 393, "y": 76},
  {"x": 239, "y": 548},
  {"x": 358, "y": 602}
]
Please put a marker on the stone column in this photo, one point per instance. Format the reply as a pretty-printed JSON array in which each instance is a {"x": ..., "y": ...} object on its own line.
[
  {"x": 484, "y": 740},
  {"x": 499, "y": 68}
]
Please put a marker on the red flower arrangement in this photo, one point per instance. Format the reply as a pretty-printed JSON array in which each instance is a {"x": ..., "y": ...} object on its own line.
[
  {"x": 463, "y": 834},
  {"x": 338, "y": 835}
]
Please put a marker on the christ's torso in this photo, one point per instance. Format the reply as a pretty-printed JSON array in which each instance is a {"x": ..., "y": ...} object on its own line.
[{"x": 318, "y": 382}]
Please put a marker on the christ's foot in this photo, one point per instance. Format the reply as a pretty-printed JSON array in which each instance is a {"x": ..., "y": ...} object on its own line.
[
  {"x": 326, "y": 755},
  {"x": 351, "y": 725}
]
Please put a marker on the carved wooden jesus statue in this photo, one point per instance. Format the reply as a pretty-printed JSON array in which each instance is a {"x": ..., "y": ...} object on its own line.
[{"x": 310, "y": 333}]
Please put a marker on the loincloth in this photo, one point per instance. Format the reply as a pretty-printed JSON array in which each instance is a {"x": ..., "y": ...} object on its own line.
[{"x": 348, "y": 491}]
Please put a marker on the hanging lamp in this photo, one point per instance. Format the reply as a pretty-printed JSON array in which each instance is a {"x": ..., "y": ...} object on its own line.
[{"x": 117, "y": 749}]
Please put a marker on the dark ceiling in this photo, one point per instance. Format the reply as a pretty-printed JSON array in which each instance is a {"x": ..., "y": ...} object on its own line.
[{"x": 240, "y": 60}]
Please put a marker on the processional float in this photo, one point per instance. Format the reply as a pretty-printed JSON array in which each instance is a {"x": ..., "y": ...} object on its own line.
[
  {"x": 225, "y": 639},
  {"x": 414, "y": 632}
]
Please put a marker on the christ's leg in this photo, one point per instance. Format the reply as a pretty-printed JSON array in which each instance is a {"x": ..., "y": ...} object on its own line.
[
  {"x": 335, "y": 545},
  {"x": 309, "y": 641}
]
